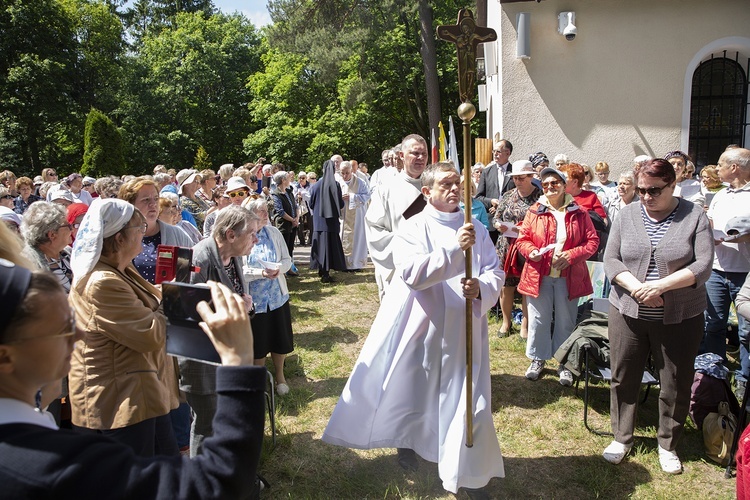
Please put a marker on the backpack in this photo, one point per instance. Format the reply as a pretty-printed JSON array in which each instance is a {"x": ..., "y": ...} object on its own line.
[
  {"x": 706, "y": 394},
  {"x": 718, "y": 433}
]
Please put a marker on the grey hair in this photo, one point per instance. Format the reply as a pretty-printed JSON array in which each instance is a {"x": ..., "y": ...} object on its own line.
[
  {"x": 171, "y": 197},
  {"x": 45, "y": 187},
  {"x": 234, "y": 218},
  {"x": 162, "y": 178},
  {"x": 253, "y": 205},
  {"x": 108, "y": 187},
  {"x": 279, "y": 177},
  {"x": 345, "y": 164},
  {"x": 740, "y": 156},
  {"x": 561, "y": 157},
  {"x": 629, "y": 175},
  {"x": 39, "y": 219},
  {"x": 226, "y": 170}
]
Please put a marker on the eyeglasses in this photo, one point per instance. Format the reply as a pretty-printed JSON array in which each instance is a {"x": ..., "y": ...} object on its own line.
[
  {"x": 235, "y": 194},
  {"x": 551, "y": 184},
  {"x": 653, "y": 192},
  {"x": 69, "y": 226},
  {"x": 68, "y": 331},
  {"x": 6, "y": 197},
  {"x": 143, "y": 227},
  {"x": 77, "y": 225}
]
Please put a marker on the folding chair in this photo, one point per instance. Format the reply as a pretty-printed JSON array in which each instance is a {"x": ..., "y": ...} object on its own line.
[
  {"x": 271, "y": 405},
  {"x": 604, "y": 373}
]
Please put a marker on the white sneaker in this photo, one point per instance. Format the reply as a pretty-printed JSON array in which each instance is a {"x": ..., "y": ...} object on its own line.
[
  {"x": 282, "y": 389},
  {"x": 535, "y": 369},
  {"x": 566, "y": 377},
  {"x": 615, "y": 452},
  {"x": 670, "y": 462}
]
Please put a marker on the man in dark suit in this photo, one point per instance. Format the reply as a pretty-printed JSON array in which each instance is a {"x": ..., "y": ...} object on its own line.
[{"x": 495, "y": 181}]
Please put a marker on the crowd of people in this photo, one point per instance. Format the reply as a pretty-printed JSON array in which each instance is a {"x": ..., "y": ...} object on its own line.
[{"x": 673, "y": 247}]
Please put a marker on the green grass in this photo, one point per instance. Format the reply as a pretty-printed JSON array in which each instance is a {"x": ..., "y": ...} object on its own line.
[{"x": 547, "y": 451}]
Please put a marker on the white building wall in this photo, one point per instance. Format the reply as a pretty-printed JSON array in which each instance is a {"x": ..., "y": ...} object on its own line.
[{"x": 617, "y": 90}]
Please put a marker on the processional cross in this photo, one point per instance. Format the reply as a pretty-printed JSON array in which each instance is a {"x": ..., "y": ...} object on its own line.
[{"x": 467, "y": 35}]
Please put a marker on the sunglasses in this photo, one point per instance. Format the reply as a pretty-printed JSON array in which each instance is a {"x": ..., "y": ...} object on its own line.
[
  {"x": 653, "y": 192},
  {"x": 6, "y": 197},
  {"x": 235, "y": 194},
  {"x": 546, "y": 185}
]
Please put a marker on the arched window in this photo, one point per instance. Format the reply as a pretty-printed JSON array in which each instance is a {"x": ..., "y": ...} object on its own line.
[{"x": 718, "y": 108}]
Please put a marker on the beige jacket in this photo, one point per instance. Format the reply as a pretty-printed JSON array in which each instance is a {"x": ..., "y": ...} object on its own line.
[{"x": 120, "y": 373}]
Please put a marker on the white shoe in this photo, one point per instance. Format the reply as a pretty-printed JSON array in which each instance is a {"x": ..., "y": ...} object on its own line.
[
  {"x": 282, "y": 389},
  {"x": 615, "y": 452},
  {"x": 670, "y": 462},
  {"x": 535, "y": 369},
  {"x": 566, "y": 377}
]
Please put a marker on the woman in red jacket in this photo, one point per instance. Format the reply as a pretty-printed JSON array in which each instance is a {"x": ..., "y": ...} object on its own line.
[{"x": 556, "y": 238}]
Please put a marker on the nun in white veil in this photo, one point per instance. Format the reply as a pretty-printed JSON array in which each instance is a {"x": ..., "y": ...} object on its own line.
[{"x": 122, "y": 383}]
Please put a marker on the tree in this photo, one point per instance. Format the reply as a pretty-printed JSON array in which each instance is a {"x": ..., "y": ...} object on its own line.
[
  {"x": 394, "y": 44},
  {"x": 38, "y": 114},
  {"x": 202, "y": 161},
  {"x": 103, "y": 153},
  {"x": 187, "y": 88}
]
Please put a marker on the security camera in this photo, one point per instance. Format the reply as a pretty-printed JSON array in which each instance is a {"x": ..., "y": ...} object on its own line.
[
  {"x": 570, "y": 32},
  {"x": 566, "y": 25}
]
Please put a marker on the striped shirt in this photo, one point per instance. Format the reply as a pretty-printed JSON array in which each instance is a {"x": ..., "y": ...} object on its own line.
[{"x": 655, "y": 231}]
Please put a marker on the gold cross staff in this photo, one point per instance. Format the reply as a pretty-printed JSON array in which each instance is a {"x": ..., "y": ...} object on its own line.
[{"x": 467, "y": 35}]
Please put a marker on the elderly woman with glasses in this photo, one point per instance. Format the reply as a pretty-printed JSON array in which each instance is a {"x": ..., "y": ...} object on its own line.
[
  {"x": 556, "y": 238},
  {"x": 46, "y": 233},
  {"x": 658, "y": 258},
  {"x": 264, "y": 272},
  {"x": 217, "y": 258},
  {"x": 121, "y": 382},
  {"x": 25, "y": 187}
]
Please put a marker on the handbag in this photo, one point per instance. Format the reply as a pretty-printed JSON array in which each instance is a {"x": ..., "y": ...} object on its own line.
[
  {"x": 514, "y": 260},
  {"x": 718, "y": 433}
]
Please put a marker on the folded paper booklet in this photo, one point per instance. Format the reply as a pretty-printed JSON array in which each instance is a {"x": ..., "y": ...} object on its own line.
[
  {"x": 546, "y": 249},
  {"x": 511, "y": 230},
  {"x": 271, "y": 266}
]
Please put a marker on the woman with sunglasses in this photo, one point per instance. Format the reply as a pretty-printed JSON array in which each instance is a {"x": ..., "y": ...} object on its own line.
[
  {"x": 122, "y": 384},
  {"x": 658, "y": 258},
  {"x": 556, "y": 238}
]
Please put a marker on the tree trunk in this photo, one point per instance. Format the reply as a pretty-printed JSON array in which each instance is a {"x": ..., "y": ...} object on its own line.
[{"x": 429, "y": 60}]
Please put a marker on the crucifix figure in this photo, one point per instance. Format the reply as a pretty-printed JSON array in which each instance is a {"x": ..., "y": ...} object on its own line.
[{"x": 466, "y": 35}]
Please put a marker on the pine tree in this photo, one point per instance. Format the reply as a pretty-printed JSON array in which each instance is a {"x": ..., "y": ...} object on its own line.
[
  {"x": 102, "y": 143},
  {"x": 202, "y": 160}
]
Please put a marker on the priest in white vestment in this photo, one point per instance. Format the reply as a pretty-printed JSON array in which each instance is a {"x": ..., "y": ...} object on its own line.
[
  {"x": 356, "y": 194},
  {"x": 390, "y": 200},
  {"x": 408, "y": 387}
]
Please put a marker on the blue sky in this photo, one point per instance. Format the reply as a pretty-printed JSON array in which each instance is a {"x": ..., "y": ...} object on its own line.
[{"x": 255, "y": 10}]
